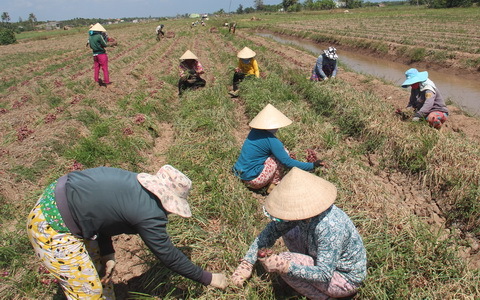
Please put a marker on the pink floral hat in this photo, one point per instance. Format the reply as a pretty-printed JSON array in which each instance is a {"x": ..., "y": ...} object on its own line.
[{"x": 170, "y": 186}]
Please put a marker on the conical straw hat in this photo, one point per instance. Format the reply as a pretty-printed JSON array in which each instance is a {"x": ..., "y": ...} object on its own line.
[
  {"x": 246, "y": 53},
  {"x": 299, "y": 196},
  {"x": 188, "y": 55},
  {"x": 269, "y": 118},
  {"x": 97, "y": 27}
]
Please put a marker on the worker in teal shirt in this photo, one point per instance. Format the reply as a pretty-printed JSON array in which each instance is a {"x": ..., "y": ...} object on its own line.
[{"x": 263, "y": 155}]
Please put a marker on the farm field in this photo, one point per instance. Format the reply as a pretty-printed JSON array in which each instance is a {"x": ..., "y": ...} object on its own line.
[{"x": 412, "y": 191}]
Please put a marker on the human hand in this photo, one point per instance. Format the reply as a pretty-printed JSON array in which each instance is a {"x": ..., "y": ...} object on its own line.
[
  {"x": 237, "y": 70},
  {"x": 325, "y": 79},
  {"x": 219, "y": 281},
  {"x": 275, "y": 263},
  {"x": 108, "y": 262},
  {"x": 319, "y": 163},
  {"x": 242, "y": 273}
]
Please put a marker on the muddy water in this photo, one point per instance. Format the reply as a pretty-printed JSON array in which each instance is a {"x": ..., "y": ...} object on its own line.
[{"x": 463, "y": 92}]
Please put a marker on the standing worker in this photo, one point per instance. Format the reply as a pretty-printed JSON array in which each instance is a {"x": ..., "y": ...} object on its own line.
[
  {"x": 72, "y": 224},
  {"x": 326, "y": 256},
  {"x": 98, "y": 41},
  {"x": 159, "y": 31},
  {"x": 425, "y": 98},
  {"x": 263, "y": 155},
  {"x": 247, "y": 68},
  {"x": 326, "y": 65}
]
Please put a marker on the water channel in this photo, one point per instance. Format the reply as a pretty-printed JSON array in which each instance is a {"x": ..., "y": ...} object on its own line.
[{"x": 465, "y": 93}]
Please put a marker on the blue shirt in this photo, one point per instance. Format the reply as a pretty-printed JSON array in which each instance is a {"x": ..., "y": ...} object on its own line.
[
  {"x": 260, "y": 145},
  {"x": 330, "y": 238}
]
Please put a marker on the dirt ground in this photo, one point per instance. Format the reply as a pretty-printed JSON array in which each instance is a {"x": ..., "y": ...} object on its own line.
[{"x": 413, "y": 198}]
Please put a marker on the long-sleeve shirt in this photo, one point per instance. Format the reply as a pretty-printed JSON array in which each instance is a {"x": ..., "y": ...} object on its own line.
[
  {"x": 197, "y": 69},
  {"x": 426, "y": 99},
  {"x": 105, "y": 202},
  {"x": 97, "y": 43},
  {"x": 331, "y": 239},
  {"x": 325, "y": 63},
  {"x": 258, "y": 146},
  {"x": 250, "y": 69}
]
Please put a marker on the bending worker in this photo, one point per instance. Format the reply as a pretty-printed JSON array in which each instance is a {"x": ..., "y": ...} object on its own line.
[
  {"x": 72, "y": 224},
  {"x": 425, "y": 98},
  {"x": 326, "y": 65},
  {"x": 326, "y": 256},
  {"x": 190, "y": 71},
  {"x": 247, "y": 68},
  {"x": 263, "y": 155}
]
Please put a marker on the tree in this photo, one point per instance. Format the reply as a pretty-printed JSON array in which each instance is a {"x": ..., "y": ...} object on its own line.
[
  {"x": 32, "y": 18},
  {"x": 5, "y": 17},
  {"x": 240, "y": 9},
  {"x": 287, "y": 3},
  {"x": 7, "y": 36},
  {"x": 259, "y": 5}
]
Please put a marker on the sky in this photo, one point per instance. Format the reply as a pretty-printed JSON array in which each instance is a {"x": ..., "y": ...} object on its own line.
[{"x": 58, "y": 10}]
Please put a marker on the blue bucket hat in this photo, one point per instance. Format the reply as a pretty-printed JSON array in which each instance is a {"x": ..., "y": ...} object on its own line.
[{"x": 413, "y": 76}]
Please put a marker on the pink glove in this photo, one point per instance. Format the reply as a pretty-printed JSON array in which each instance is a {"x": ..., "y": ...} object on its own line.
[
  {"x": 275, "y": 263},
  {"x": 242, "y": 273}
]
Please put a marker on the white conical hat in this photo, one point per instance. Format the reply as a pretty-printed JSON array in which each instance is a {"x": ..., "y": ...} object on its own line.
[
  {"x": 97, "y": 27},
  {"x": 188, "y": 55},
  {"x": 246, "y": 53},
  {"x": 299, "y": 196},
  {"x": 270, "y": 118}
]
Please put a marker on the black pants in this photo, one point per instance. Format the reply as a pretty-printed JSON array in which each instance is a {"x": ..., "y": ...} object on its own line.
[
  {"x": 160, "y": 33},
  {"x": 239, "y": 77},
  {"x": 192, "y": 83}
]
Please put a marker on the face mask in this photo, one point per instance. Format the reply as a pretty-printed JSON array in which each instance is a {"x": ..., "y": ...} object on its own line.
[{"x": 246, "y": 61}]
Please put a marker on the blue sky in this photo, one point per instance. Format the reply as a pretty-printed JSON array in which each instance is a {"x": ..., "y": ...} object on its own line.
[{"x": 57, "y": 10}]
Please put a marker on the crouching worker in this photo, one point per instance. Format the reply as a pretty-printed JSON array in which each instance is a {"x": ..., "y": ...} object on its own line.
[
  {"x": 263, "y": 156},
  {"x": 326, "y": 65},
  {"x": 247, "y": 68},
  {"x": 72, "y": 224},
  {"x": 326, "y": 255},
  {"x": 190, "y": 71},
  {"x": 425, "y": 98}
]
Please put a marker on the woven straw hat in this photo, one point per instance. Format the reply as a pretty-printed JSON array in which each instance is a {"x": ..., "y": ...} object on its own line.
[
  {"x": 97, "y": 27},
  {"x": 246, "y": 53},
  {"x": 188, "y": 55},
  {"x": 299, "y": 196},
  {"x": 170, "y": 186},
  {"x": 269, "y": 118}
]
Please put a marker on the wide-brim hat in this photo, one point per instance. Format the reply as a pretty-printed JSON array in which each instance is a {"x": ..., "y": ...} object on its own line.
[
  {"x": 246, "y": 53},
  {"x": 97, "y": 27},
  {"x": 188, "y": 55},
  {"x": 413, "y": 76},
  {"x": 299, "y": 196},
  {"x": 171, "y": 187},
  {"x": 269, "y": 118},
  {"x": 331, "y": 53}
]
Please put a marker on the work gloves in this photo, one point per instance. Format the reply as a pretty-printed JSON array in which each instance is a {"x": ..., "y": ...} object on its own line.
[
  {"x": 416, "y": 117},
  {"x": 242, "y": 273},
  {"x": 275, "y": 263},
  {"x": 108, "y": 263},
  {"x": 219, "y": 281}
]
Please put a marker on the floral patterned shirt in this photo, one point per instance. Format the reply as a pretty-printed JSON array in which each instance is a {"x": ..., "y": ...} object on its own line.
[{"x": 330, "y": 238}]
